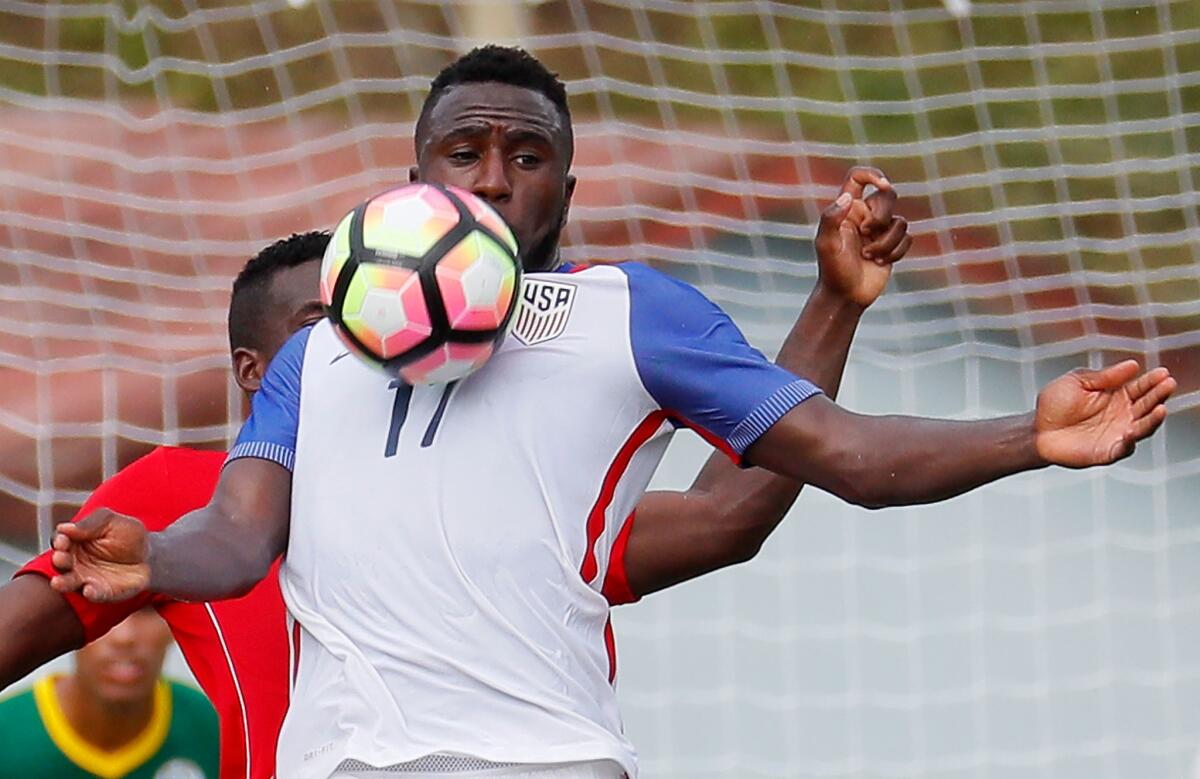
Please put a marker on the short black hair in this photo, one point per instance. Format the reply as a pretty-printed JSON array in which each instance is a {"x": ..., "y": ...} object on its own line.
[
  {"x": 252, "y": 286},
  {"x": 504, "y": 65}
]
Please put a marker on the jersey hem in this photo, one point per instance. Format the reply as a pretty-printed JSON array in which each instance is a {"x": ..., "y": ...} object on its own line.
[
  {"x": 575, "y": 753},
  {"x": 769, "y": 412},
  {"x": 264, "y": 450}
]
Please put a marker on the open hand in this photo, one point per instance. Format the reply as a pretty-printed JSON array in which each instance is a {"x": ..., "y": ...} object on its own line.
[
  {"x": 860, "y": 238},
  {"x": 103, "y": 556},
  {"x": 1097, "y": 417}
]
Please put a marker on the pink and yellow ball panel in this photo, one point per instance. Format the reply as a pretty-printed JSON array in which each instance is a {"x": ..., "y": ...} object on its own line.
[
  {"x": 487, "y": 216},
  {"x": 477, "y": 281},
  {"x": 336, "y": 256},
  {"x": 407, "y": 222},
  {"x": 385, "y": 310}
]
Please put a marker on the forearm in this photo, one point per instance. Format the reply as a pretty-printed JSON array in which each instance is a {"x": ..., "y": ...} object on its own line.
[
  {"x": 207, "y": 555},
  {"x": 819, "y": 342},
  {"x": 896, "y": 460},
  {"x": 37, "y": 625}
]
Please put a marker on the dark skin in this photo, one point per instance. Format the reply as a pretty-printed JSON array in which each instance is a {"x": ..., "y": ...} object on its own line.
[
  {"x": 509, "y": 146},
  {"x": 37, "y": 623},
  {"x": 480, "y": 139},
  {"x": 723, "y": 518}
]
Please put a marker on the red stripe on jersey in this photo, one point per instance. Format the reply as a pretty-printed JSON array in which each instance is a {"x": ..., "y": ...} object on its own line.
[
  {"x": 237, "y": 686},
  {"x": 610, "y": 644},
  {"x": 713, "y": 439},
  {"x": 295, "y": 652},
  {"x": 616, "y": 589},
  {"x": 595, "y": 521}
]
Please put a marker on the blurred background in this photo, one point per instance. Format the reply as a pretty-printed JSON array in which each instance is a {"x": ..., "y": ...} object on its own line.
[{"x": 1047, "y": 153}]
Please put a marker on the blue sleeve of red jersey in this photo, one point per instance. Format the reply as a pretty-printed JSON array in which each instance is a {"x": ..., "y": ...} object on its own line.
[
  {"x": 270, "y": 431},
  {"x": 696, "y": 364}
]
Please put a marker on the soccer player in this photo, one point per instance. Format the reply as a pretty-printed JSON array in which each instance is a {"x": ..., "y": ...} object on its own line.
[
  {"x": 449, "y": 594},
  {"x": 238, "y": 648},
  {"x": 114, "y": 716}
]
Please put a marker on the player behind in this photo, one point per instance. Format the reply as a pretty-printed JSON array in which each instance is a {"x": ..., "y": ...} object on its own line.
[
  {"x": 238, "y": 648},
  {"x": 114, "y": 716},
  {"x": 449, "y": 591}
]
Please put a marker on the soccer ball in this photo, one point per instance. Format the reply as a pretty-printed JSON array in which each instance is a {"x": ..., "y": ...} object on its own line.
[{"x": 422, "y": 281}]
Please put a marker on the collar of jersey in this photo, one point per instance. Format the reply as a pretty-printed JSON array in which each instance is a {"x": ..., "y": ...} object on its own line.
[{"x": 107, "y": 765}]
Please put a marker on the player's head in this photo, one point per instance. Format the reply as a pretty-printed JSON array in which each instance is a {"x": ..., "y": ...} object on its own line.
[
  {"x": 123, "y": 666},
  {"x": 496, "y": 123},
  {"x": 274, "y": 296}
]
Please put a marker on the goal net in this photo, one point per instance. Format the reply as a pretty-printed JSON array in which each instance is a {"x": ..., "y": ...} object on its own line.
[{"x": 1047, "y": 154}]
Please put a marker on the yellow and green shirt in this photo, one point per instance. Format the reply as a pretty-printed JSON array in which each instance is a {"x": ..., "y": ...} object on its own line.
[{"x": 180, "y": 742}]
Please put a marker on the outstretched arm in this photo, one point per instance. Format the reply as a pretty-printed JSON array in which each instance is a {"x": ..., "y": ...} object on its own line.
[
  {"x": 37, "y": 624},
  {"x": 219, "y": 551},
  {"x": 728, "y": 512},
  {"x": 1082, "y": 419}
]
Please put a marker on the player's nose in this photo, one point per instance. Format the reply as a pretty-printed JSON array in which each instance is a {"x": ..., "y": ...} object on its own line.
[{"x": 492, "y": 183}]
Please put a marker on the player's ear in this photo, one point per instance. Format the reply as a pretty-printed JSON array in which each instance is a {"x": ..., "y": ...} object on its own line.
[
  {"x": 414, "y": 174},
  {"x": 248, "y": 368}
]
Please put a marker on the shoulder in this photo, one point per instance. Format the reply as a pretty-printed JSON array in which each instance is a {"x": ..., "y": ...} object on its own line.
[
  {"x": 25, "y": 749},
  {"x": 290, "y": 362},
  {"x": 293, "y": 350},
  {"x": 192, "y": 470},
  {"x": 20, "y": 722},
  {"x": 15, "y": 702},
  {"x": 643, "y": 279},
  {"x": 159, "y": 487}
]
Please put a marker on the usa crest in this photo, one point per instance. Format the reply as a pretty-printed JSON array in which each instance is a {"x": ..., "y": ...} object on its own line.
[{"x": 544, "y": 310}]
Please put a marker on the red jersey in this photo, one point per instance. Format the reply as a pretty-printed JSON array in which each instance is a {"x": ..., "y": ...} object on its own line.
[{"x": 238, "y": 649}]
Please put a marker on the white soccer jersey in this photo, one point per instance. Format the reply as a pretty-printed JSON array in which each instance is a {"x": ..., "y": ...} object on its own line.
[{"x": 448, "y": 543}]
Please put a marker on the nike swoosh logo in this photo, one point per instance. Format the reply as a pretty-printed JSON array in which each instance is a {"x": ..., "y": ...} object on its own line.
[{"x": 340, "y": 356}]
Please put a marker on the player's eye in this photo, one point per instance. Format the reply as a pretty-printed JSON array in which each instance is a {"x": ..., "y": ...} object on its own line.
[
  {"x": 526, "y": 160},
  {"x": 463, "y": 156}
]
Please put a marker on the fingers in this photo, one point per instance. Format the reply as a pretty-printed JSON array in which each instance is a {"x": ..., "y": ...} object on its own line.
[
  {"x": 831, "y": 220},
  {"x": 62, "y": 561},
  {"x": 860, "y": 177},
  {"x": 1147, "y": 383},
  {"x": 884, "y": 248},
  {"x": 66, "y": 582},
  {"x": 880, "y": 205},
  {"x": 1153, "y": 396},
  {"x": 1108, "y": 378},
  {"x": 1144, "y": 427}
]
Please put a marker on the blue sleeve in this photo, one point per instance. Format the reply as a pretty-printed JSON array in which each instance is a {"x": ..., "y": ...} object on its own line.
[
  {"x": 270, "y": 431},
  {"x": 697, "y": 366}
]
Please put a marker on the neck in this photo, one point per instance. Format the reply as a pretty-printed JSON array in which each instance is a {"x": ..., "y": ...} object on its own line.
[{"x": 103, "y": 724}]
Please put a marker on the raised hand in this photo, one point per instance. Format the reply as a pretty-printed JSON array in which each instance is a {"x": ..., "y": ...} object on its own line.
[
  {"x": 1097, "y": 417},
  {"x": 103, "y": 556},
  {"x": 860, "y": 238}
]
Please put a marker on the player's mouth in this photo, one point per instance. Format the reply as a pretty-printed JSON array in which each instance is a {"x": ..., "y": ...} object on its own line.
[{"x": 125, "y": 672}]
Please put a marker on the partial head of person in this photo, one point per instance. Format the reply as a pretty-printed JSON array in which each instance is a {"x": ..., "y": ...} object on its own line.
[
  {"x": 123, "y": 666},
  {"x": 496, "y": 123},
  {"x": 276, "y": 294}
]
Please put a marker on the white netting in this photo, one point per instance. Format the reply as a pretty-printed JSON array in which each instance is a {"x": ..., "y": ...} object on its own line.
[{"x": 1046, "y": 151}]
